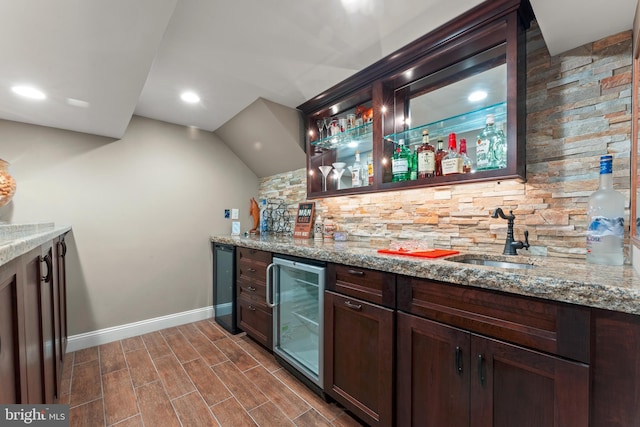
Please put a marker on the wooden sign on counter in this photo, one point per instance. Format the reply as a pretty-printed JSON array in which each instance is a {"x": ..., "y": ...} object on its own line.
[{"x": 304, "y": 220}]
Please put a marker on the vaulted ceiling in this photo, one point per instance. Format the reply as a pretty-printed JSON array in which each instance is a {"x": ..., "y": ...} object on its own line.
[{"x": 100, "y": 62}]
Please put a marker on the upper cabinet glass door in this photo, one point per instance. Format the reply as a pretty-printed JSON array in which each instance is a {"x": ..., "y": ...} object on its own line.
[{"x": 463, "y": 84}]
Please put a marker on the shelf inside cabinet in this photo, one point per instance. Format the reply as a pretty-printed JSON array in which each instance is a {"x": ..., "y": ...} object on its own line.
[
  {"x": 472, "y": 121},
  {"x": 349, "y": 137}
]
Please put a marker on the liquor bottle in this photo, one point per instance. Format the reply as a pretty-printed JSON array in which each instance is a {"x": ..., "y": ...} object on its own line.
[
  {"x": 426, "y": 157},
  {"x": 487, "y": 142},
  {"x": 467, "y": 163},
  {"x": 500, "y": 149},
  {"x": 452, "y": 162},
  {"x": 439, "y": 156},
  {"x": 605, "y": 213},
  {"x": 356, "y": 172},
  {"x": 370, "y": 169},
  {"x": 413, "y": 164},
  {"x": 400, "y": 163}
]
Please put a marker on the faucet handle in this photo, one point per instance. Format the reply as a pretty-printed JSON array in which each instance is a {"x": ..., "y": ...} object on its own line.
[{"x": 526, "y": 240}]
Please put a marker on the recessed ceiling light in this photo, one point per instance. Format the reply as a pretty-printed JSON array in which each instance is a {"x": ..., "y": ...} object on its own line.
[
  {"x": 190, "y": 97},
  {"x": 478, "y": 95},
  {"x": 77, "y": 103},
  {"x": 28, "y": 92}
]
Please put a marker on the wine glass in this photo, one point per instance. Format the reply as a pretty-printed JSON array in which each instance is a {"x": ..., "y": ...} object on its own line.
[
  {"x": 320, "y": 124},
  {"x": 325, "y": 171},
  {"x": 327, "y": 124}
]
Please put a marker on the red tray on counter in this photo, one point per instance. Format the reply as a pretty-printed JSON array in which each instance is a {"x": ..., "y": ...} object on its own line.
[{"x": 427, "y": 253}]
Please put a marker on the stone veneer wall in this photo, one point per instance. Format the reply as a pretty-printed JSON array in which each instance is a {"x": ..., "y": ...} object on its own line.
[{"x": 578, "y": 108}]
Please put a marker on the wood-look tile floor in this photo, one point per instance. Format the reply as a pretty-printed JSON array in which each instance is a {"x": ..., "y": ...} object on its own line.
[{"x": 191, "y": 375}]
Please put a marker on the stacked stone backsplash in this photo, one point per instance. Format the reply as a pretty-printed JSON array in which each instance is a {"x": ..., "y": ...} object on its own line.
[{"x": 578, "y": 108}]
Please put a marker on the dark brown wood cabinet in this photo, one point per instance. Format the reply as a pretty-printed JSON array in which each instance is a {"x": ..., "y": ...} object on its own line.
[
  {"x": 32, "y": 338},
  {"x": 254, "y": 315},
  {"x": 359, "y": 342},
  {"x": 33, "y": 334},
  {"x": 11, "y": 328},
  {"x": 409, "y": 91},
  {"x": 457, "y": 373},
  {"x": 448, "y": 376}
]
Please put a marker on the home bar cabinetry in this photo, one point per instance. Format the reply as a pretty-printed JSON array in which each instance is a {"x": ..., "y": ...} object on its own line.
[
  {"x": 33, "y": 331},
  {"x": 424, "y": 86}
]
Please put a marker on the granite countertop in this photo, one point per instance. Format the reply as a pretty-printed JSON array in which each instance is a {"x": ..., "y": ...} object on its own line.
[
  {"x": 18, "y": 239},
  {"x": 572, "y": 281}
]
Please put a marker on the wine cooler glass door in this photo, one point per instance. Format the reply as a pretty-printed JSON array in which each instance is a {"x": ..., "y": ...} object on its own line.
[{"x": 298, "y": 316}]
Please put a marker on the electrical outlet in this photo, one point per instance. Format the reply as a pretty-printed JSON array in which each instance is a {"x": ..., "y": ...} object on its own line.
[
  {"x": 234, "y": 213},
  {"x": 227, "y": 213}
]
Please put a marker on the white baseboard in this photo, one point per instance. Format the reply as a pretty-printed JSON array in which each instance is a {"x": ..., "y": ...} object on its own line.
[{"x": 107, "y": 335}]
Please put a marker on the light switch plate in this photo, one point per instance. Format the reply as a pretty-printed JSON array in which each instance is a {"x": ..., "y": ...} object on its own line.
[{"x": 234, "y": 213}]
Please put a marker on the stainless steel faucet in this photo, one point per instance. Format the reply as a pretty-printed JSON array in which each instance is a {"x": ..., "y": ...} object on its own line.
[{"x": 511, "y": 245}]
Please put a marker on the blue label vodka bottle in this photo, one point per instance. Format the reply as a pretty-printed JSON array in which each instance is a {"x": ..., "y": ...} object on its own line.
[{"x": 605, "y": 213}]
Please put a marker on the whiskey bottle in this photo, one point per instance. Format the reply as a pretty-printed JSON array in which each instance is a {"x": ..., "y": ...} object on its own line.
[
  {"x": 370, "y": 169},
  {"x": 426, "y": 157},
  {"x": 439, "y": 156},
  {"x": 467, "y": 163},
  {"x": 452, "y": 162}
]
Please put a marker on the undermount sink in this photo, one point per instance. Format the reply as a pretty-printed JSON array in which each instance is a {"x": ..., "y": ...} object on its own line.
[{"x": 479, "y": 260}]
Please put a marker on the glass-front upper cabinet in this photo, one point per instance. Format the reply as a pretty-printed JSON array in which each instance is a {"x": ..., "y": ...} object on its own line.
[
  {"x": 340, "y": 146},
  {"x": 453, "y": 124},
  {"x": 447, "y": 108}
]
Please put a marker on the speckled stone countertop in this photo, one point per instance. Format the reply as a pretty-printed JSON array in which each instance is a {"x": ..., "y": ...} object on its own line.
[
  {"x": 571, "y": 281},
  {"x": 18, "y": 239}
]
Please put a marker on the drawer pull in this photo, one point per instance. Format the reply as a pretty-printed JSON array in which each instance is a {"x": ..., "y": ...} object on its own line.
[
  {"x": 252, "y": 308},
  {"x": 481, "y": 368},
  {"x": 251, "y": 270},
  {"x": 459, "y": 360},
  {"x": 355, "y": 272},
  {"x": 353, "y": 306},
  {"x": 251, "y": 288}
]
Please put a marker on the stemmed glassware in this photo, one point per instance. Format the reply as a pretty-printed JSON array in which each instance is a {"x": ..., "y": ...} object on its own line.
[
  {"x": 325, "y": 171},
  {"x": 339, "y": 170},
  {"x": 320, "y": 123},
  {"x": 327, "y": 124}
]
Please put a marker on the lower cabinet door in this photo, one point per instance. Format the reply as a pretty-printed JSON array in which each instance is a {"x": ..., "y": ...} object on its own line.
[
  {"x": 358, "y": 357},
  {"x": 10, "y": 387},
  {"x": 514, "y": 386},
  {"x": 433, "y": 372},
  {"x": 256, "y": 321}
]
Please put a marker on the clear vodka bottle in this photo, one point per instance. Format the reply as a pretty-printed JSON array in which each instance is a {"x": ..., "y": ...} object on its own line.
[{"x": 605, "y": 216}]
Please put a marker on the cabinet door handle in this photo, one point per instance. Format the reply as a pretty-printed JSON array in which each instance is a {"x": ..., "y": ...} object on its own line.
[
  {"x": 353, "y": 306},
  {"x": 252, "y": 308},
  {"x": 459, "y": 360},
  {"x": 251, "y": 270},
  {"x": 251, "y": 288},
  {"x": 481, "y": 370},
  {"x": 355, "y": 272},
  {"x": 47, "y": 260}
]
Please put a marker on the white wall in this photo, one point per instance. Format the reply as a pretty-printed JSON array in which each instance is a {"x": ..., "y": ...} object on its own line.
[{"x": 142, "y": 209}]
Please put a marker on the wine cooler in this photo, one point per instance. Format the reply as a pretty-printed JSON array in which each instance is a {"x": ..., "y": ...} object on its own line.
[{"x": 297, "y": 301}]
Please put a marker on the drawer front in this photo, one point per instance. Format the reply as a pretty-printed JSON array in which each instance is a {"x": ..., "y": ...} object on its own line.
[
  {"x": 256, "y": 321},
  {"x": 548, "y": 326},
  {"x": 369, "y": 285},
  {"x": 252, "y": 289},
  {"x": 252, "y": 264}
]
